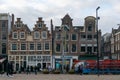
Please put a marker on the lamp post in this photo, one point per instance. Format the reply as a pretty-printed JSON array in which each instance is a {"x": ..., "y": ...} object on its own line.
[
  {"x": 97, "y": 39},
  {"x": 64, "y": 29}
]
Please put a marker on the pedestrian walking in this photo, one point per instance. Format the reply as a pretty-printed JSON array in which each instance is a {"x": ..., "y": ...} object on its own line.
[
  {"x": 8, "y": 69},
  {"x": 81, "y": 69},
  {"x": 28, "y": 70},
  {"x": 35, "y": 70}
]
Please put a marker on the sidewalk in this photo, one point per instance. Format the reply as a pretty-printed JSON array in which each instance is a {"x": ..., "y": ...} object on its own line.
[{"x": 59, "y": 77}]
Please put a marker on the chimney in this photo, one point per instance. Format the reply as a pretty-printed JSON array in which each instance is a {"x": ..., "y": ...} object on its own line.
[
  {"x": 18, "y": 19},
  {"x": 51, "y": 26},
  {"x": 12, "y": 22}
]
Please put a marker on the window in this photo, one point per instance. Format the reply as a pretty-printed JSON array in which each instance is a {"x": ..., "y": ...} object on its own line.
[
  {"x": 36, "y": 35},
  {"x": 95, "y": 49},
  {"x": 58, "y": 47},
  {"x": 90, "y": 28},
  {"x": 15, "y": 35},
  {"x": 31, "y": 46},
  {"x": 18, "y": 25},
  {"x": 46, "y": 46},
  {"x": 14, "y": 46},
  {"x": 40, "y": 25},
  {"x": 23, "y": 46},
  {"x": 58, "y": 36},
  {"x": 74, "y": 37},
  {"x": 73, "y": 47},
  {"x": 66, "y": 48},
  {"x": 82, "y": 48},
  {"x": 3, "y": 48},
  {"x": 44, "y": 35},
  {"x": 89, "y": 49},
  {"x": 4, "y": 36},
  {"x": 4, "y": 24},
  {"x": 39, "y": 46},
  {"x": 22, "y": 35},
  {"x": 89, "y": 37},
  {"x": 83, "y": 36}
]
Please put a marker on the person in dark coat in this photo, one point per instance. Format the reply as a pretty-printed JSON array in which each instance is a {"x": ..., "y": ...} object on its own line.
[
  {"x": 11, "y": 69},
  {"x": 35, "y": 70},
  {"x": 28, "y": 70},
  {"x": 8, "y": 69}
]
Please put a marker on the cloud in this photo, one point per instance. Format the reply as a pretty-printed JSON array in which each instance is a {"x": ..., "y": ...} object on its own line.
[{"x": 30, "y": 10}]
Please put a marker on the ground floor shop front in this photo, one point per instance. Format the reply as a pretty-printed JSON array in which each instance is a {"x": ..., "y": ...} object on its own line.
[
  {"x": 23, "y": 61},
  {"x": 67, "y": 61}
]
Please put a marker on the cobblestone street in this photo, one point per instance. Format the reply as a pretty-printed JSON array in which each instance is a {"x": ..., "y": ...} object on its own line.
[{"x": 59, "y": 77}]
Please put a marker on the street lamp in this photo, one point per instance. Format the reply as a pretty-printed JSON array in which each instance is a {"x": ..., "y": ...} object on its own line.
[
  {"x": 64, "y": 29},
  {"x": 97, "y": 39}
]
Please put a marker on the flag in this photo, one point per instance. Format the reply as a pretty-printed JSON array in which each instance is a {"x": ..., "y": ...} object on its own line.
[{"x": 1, "y": 60}]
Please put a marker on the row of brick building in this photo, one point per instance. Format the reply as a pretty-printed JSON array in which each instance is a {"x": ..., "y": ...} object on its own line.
[{"x": 42, "y": 47}]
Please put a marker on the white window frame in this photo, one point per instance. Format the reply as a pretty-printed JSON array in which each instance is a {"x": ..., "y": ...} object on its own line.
[
  {"x": 35, "y": 35},
  {"x": 37, "y": 47},
  {"x": 20, "y": 35},
  {"x": 16, "y": 46},
  {"x": 13, "y": 35},
  {"x": 45, "y": 34},
  {"x": 49, "y": 46},
  {"x": 29, "y": 46},
  {"x": 25, "y": 45}
]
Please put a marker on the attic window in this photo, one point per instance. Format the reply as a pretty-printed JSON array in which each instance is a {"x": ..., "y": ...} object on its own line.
[
  {"x": 40, "y": 25},
  {"x": 18, "y": 25}
]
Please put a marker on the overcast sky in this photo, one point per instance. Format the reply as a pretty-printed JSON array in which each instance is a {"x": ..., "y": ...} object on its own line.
[{"x": 30, "y": 10}]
